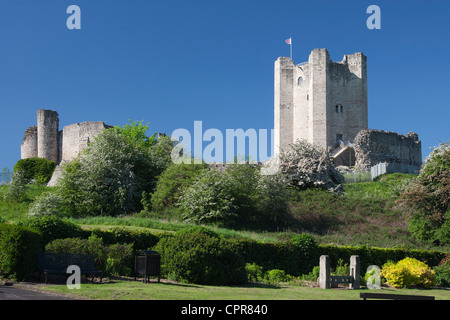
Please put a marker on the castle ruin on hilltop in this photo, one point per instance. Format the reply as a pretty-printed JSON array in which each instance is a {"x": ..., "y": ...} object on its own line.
[
  {"x": 46, "y": 140},
  {"x": 321, "y": 101},
  {"x": 325, "y": 103}
]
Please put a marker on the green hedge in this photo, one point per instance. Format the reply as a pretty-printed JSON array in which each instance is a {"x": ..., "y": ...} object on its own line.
[
  {"x": 114, "y": 259},
  {"x": 39, "y": 169},
  {"x": 191, "y": 255},
  {"x": 18, "y": 248},
  {"x": 141, "y": 240},
  {"x": 201, "y": 258},
  {"x": 52, "y": 228}
]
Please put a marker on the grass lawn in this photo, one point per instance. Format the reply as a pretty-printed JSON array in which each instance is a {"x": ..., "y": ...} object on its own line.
[{"x": 136, "y": 290}]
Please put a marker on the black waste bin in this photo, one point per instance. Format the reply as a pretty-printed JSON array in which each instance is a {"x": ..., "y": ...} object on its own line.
[{"x": 147, "y": 264}]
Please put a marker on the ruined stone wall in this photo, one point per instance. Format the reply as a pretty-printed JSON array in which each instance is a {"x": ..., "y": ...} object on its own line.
[
  {"x": 46, "y": 141},
  {"x": 29, "y": 147},
  {"x": 75, "y": 138},
  {"x": 377, "y": 146}
]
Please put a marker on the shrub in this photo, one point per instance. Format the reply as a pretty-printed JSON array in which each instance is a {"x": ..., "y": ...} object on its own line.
[
  {"x": 93, "y": 246},
  {"x": 200, "y": 258},
  {"x": 254, "y": 272},
  {"x": 275, "y": 276},
  {"x": 307, "y": 249},
  {"x": 442, "y": 271},
  {"x": 50, "y": 204},
  {"x": 116, "y": 259},
  {"x": 313, "y": 275},
  {"x": 39, "y": 169},
  {"x": 238, "y": 196},
  {"x": 429, "y": 198},
  {"x": 408, "y": 272},
  {"x": 120, "y": 260},
  {"x": 210, "y": 199},
  {"x": 172, "y": 183},
  {"x": 51, "y": 227},
  {"x": 17, "y": 189},
  {"x": 18, "y": 248},
  {"x": 304, "y": 165}
]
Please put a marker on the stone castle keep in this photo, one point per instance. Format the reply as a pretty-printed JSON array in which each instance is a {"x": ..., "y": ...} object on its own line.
[
  {"x": 321, "y": 101},
  {"x": 325, "y": 103},
  {"x": 46, "y": 140}
]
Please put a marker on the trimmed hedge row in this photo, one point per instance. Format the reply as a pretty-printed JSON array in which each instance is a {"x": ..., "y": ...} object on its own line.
[
  {"x": 196, "y": 255},
  {"x": 190, "y": 256}
]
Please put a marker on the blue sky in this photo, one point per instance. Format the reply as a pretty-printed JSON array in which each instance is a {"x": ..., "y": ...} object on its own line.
[{"x": 171, "y": 63}]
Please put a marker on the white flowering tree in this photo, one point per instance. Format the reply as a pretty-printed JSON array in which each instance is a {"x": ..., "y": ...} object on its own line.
[{"x": 304, "y": 165}]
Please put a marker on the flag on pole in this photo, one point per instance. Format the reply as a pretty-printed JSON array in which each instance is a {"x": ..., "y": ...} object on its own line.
[{"x": 289, "y": 42}]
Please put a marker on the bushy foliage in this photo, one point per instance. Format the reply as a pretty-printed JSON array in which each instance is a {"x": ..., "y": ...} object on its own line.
[
  {"x": 50, "y": 204},
  {"x": 18, "y": 248},
  {"x": 304, "y": 165},
  {"x": 115, "y": 259},
  {"x": 111, "y": 176},
  {"x": 275, "y": 276},
  {"x": 307, "y": 248},
  {"x": 429, "y": 198},
  {"x": 51, "y": 227},
  {"x": 140, "y": 240},
  {"x": 255, "y": 273},
  {"x": 210, "y": 199},
  {"x": 136, "y": 133},
  {"x": 172, "y": 183},
  {"x": 38, "y": 169},
  {"x": 237, "y": 195},
  {"x": 442, "y": 272},
  {"x": 197, "y": 257},
  {"x": 408, "y": 272},
  {"x": 17, "y": 188}
]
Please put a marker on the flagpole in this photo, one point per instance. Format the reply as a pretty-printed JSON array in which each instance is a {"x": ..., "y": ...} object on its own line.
[{"x": 291, "y": 46}]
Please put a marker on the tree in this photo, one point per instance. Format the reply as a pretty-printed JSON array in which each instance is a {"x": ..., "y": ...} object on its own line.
[
  {"x": 304, "y": 165},
  {"x": 429, "y": 198},
  {"x": 209, "y": 199},
  {"x": 137, "y": 133},
  {"x": 111, "y": 174},
  {"x": 172, "y": 183},
  {"x": 238, "y": 196}
]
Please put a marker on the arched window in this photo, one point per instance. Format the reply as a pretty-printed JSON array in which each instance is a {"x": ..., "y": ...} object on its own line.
[{"x": 300, "y": 81}]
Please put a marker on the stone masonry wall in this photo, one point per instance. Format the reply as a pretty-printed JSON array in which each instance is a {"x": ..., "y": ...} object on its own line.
[
  {"x": 29, "y": 148},
  {"x": 377, "y": 146}
]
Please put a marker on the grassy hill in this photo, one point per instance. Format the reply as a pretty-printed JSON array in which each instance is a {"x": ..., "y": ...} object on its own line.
[{"x": 367, "y": 214}]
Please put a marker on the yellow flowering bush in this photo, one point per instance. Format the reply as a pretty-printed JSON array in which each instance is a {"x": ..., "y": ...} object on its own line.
[{"x": 408, "y": 272}]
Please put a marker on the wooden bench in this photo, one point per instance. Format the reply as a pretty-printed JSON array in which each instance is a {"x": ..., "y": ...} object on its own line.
[
  {"x": 57, "y": 263},
  {"x": 370, "y": 295}
]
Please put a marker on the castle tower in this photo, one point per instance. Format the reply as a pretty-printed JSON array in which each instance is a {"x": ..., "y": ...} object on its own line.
[
  {"x": 29, "y": 147},
  {"x": 321, "y": 101},
  {"x": 47, "y": 134}
]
